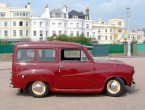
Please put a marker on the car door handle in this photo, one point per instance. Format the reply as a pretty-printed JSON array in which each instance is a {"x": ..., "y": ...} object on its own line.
[{"x": 60, "y": 68}]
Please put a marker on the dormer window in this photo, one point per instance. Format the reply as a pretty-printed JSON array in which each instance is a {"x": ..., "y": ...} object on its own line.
[
  {"x": 64, "y": 15},
  {"x": 75, "y": 17},
  {"x": 2, "y": 14},
  {"x": 52, "y": 15},
  {"x": 58, "y": 15}
]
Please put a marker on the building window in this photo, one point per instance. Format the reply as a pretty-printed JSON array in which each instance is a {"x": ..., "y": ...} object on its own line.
[
  {"x": 41, "y": 33},
  {"x": 105, "y": 30},
  {"x": 53, "y": 32},
  {"x": 21, "y": 23},
  {"x": 58, "y": 15},
  {"x": 119, "y": 23},
  {"x": 99, "y": 30},
  {"x": 14, "y": 23},
  {"x": 0, "y": 32},
  {"x": 64, "y": 32},
  {"x": 46, "y": 33},
  {"x": 21, "y": 13},
  {"x": 105, "y": 37},
  {"x": 71, "y": 33},
  {"x": 93, "y": 34},
  {"x": 14, "y": 14},
  {"x": 21, "y": 32},
  {"x": 77, "y": 25},
  {"x": 52, "y": 15},
  {"x": 87, "y": 25},
  {"x": 71, "y": 24},
  {"x": 34, "y": 33},
  {"x": 14, "y": 33},
  {"x": 24, "y": 14},
  {"x": 34, "y": 24},
  {"x": 60, "y": 32},
  {"x": 27, "y": 14},
  {"x": 64, "y": 24},
  {"x": 5, "y": 24},
  {"x": 82, "y": 25},
  {"x": 99, "y": 37},
  {"x": 88, "y": 34},
  {"x": 27, "y": 24},
  {"x": 27, "y": 32},
  {"x": 2, "y": 14},
  {"x": 53, "y": 24},
  {"x": 110, "y": 37},
  {"x": 41, "y": 24},
  {"x": 78, "y": 33},
  {"x": 5, "y": 33},
  {"x": 64, "y": 15},
  {"x": 18, "y": 14},
  {"x": 46, "y": 24},
  {"x": 119, "y": 30},
  {"x": 60, "y": 24},
  {"x": 110, "y": 30},
  {"x": 75, "y": 17}
]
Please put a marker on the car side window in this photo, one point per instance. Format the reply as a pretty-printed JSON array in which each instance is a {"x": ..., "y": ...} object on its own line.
[
  {"x": 46, "y": 55},
  {"x": 68, "y": 54},
  {"x": 25, "y": 55}
]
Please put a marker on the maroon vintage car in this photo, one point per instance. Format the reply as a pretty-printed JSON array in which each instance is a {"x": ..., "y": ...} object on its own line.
[{"x": 65, "y": 67}]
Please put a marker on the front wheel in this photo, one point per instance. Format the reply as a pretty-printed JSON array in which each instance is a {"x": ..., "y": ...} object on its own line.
[
  {"x": 115, "y": 87},
  {"x": 38, "y": 89}
]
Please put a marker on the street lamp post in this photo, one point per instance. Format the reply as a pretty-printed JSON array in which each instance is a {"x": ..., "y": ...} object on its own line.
[{"x": 128, "y": 35}]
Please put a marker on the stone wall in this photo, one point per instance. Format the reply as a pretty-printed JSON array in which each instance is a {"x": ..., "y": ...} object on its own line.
[{"x": 5, "y": 57}]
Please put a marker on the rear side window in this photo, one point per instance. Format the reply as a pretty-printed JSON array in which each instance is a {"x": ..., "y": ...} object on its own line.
[
  {"x": 25, "y": 55},
  {"x": 46, "y": 55}
]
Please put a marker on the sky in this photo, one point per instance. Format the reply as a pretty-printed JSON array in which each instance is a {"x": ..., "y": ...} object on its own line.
[{"x": 99, "y": 9}]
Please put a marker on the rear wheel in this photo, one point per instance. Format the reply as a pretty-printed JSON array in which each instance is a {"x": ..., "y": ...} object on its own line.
[
  {"x": 115, "y": 87},
  {"x": 38, "y": 89}
]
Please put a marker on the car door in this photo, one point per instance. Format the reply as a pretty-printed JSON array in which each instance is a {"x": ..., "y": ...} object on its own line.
[{"x": 75, "y": 70}]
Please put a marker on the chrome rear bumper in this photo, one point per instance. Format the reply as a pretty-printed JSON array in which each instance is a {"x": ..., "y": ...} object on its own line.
[{"x": 11, "y": 85}]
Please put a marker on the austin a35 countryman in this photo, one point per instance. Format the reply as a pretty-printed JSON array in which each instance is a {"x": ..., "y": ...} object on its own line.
[{"x": 65, "y": 67}]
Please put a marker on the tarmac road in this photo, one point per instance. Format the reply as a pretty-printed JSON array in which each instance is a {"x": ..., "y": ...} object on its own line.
[{"x": 133, "y": 99}]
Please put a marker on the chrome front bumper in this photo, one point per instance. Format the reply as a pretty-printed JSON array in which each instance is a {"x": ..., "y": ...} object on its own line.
[
  {"x": 132, "y": 83},
  {"x": 11, "y": 85}
]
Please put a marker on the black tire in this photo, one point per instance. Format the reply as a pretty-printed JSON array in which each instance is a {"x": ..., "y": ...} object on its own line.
[
  {"x": 117, "y": 89},
  {"x": 42, "y": 89}
]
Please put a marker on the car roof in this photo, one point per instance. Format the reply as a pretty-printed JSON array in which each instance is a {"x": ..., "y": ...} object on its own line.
[{"x": 48, "y": 44}]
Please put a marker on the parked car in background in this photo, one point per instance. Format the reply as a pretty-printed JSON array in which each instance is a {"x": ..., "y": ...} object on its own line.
[{"x": 66, "y": 67}]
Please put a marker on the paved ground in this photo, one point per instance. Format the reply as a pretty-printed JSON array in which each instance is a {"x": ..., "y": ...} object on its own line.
[{"x": 133, "y": 99}]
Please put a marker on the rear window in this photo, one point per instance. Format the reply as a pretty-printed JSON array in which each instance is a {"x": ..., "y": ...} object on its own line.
[
  {"x": 46, "y": 55},
  {"x": 25, "y": 55}
]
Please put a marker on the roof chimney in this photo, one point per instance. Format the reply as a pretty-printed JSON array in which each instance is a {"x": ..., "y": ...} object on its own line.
[
  {"x": 88, "y": 13},
  {"x": 28, "y": 5},
  {"x": 64, "y": 9}
]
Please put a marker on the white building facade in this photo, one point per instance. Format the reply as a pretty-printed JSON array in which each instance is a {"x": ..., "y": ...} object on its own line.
[
  {"x": 59, "y": 21},
  {"x": 137, "y": 36}
]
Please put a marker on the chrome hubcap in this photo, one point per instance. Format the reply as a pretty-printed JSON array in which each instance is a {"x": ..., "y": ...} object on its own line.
[
  {"x": 38, "y": 87},
  {"x": 113, "y": 86}
]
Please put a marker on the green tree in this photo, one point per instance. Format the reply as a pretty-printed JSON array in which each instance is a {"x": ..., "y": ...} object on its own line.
[{"x": 78, "y": 39}]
